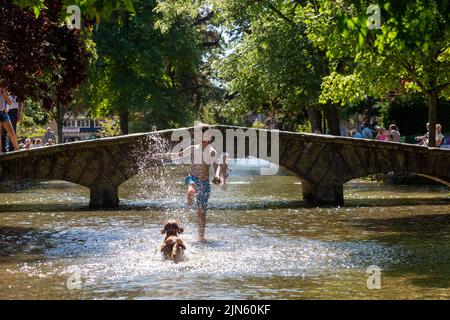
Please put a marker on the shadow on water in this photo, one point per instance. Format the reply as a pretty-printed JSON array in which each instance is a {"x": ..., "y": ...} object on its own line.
[
  {"x": 23, "y": 244},
  {"x": 427, "y": 238}
]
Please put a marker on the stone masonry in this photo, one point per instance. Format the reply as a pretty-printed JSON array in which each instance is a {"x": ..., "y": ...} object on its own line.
[{"x": 323, "y": 163}]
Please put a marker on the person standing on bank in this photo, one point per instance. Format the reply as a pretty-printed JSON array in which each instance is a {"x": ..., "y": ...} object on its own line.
[
  {"x": 49, "y": 135},
  {"x": 5, "y": 123},
  {"x": 15, "y": 116}
]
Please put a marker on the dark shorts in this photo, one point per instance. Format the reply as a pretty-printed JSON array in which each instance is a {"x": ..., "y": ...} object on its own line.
[
  {"x": 202, "y": 190},
  {"x": 4, "y": 117}
]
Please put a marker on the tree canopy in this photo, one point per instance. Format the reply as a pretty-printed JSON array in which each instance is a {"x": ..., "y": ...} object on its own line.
[
  {"x": 161, "y": 62},
  {"x": 40, "y": 58}
]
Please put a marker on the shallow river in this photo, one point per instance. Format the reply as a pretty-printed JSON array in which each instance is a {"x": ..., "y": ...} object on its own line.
[{"x": 263, "y": 243}]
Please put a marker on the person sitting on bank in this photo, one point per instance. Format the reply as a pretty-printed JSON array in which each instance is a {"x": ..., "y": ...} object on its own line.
[
  {"x": 38, "y": 143},
  {"x": 366, "y": 132},
  {"x": 424, "y": 140},
  {"x": 395, "y": 133},
  {"x": 28, "y": 144},
  {"x": 383, "y": 135},
  {"x": 439, "y": 136}
]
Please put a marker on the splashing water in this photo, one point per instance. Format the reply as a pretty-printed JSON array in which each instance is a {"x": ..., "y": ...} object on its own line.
[{"x": 261, "y": 243}]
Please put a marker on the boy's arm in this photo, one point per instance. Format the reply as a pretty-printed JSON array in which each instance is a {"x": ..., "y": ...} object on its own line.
[
  {"x": 178, "y": 155},
  {"x": 217, "y": 163},
  {"x": 217, "y": 170}
]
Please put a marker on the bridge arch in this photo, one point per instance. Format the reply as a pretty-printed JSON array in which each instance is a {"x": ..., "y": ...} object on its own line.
[{"x": 323, "y": 163}]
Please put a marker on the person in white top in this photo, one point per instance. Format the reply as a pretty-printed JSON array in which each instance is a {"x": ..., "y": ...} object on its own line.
[
  {"x": 5, "y": 123},
  {"x": 15, "y": 116}
]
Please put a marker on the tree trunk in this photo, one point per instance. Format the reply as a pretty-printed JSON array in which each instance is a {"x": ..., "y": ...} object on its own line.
[
  {"x": 59, "y": 122},
  {"x": 332, "y": 115},
  {"x": 123, "y": 118},
  {"x": 432, "y": 101},
  {"x": 315, "y": 119}
]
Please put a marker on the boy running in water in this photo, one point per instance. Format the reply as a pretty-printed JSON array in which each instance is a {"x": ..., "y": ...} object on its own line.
[{"x": 198, "y": 179}]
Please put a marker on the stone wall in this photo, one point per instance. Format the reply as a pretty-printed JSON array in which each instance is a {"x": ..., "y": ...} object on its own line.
[{"x": 324, "y": 163}]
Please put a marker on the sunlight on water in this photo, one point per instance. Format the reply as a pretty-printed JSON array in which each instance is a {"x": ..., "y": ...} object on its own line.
[{"x": 262, "y": 241}]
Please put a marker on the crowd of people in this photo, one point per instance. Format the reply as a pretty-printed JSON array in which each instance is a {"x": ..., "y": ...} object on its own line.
[
  {"x": 368, "y": 131},
  {"x": 371, "y": 130},
  {"x": 49, "y": 139}
]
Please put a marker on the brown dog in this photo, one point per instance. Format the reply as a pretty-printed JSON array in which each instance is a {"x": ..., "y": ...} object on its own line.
[{"x": 173, "y": 247}]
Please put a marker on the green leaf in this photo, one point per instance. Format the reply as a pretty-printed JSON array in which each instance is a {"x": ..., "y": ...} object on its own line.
[{"x": 36, "y": 11}]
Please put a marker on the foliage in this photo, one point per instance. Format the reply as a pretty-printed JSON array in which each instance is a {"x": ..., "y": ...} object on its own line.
[
  {"x": 40, "y": 58},
  {"x": 149, "y": 73},
  {"x": 33, "y": 121},
  {"x": 92, "y": 8},
  {"x": 274, "y": 66},
  {"x": 111, "y": 127},
  {"x": 409, "y": 53},
  {"x": 410, "y": 113}
]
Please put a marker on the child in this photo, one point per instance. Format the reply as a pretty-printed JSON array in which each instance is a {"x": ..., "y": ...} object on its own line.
[
  {"x": 222, "y": 171},
  {"x": 197, "y": 181}
]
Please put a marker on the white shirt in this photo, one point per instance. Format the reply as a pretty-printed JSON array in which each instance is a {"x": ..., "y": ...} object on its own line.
[{"x": 15, "y": 104}]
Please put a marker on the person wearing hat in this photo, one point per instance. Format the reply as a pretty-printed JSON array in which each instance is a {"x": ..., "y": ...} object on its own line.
[{"x": 49, "y": 135}]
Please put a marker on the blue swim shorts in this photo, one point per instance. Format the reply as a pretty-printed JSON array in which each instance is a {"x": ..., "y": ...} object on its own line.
[
  {"x": 202, "y": 190},
  {"x": 4, "y": 117}
]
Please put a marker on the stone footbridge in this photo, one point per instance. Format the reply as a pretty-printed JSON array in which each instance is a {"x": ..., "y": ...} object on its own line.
[{"x": 323, "y": 163}]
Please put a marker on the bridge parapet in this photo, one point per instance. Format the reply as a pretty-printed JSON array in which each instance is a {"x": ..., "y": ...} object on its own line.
[{"x": 323, "y": 163}]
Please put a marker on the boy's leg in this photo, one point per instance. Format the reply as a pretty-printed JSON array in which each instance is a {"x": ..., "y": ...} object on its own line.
[
  {"x": 202, "y": 205},
  {"x": 201, "y": 216},
  {"x": 190, "y": 194},
  {"x": 224, "y": 182}
]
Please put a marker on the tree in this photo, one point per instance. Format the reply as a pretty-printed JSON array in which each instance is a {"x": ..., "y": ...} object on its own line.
[
  {"x": 273, "y": 66},
  {"x": 148, "y": 72},
  {"x": 92, "y": 8},
  {"x": 39, "y": 58},
  {"x": 410, "y": 51}
]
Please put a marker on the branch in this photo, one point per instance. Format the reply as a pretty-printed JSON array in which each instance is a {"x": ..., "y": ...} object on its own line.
[
  {"x": 282, "y": 16},
  {"x": 213, "y": 43},
  {"x": 444, "y": 86},
  {"x": 203, "y": 19},
  {"x": 410, "y": 69}
]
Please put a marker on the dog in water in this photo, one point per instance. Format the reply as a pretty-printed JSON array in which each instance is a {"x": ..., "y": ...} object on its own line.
[{"x": 173, "y": 246}]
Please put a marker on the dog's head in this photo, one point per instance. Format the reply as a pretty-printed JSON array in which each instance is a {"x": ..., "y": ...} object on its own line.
[{"x": 171, "y": 228}]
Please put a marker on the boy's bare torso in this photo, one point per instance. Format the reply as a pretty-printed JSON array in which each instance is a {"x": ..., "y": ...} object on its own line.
[{"x": 200, "y": 162}]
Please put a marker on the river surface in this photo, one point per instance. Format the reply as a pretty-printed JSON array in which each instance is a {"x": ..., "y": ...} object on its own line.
[{"x": 263, "y": 242}]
